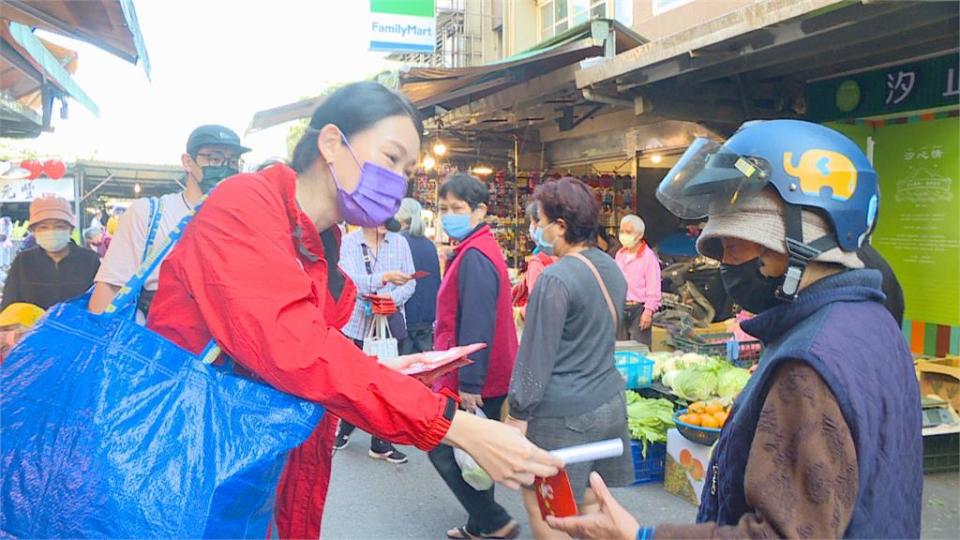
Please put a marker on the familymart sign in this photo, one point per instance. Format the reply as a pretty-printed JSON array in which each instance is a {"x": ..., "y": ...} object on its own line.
[{"x": 403, "y": 26}]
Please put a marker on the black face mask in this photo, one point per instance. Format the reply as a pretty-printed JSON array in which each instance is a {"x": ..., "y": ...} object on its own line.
[
  {"x": 749, "y": 288},
  {"x": 213, "y": 175}
]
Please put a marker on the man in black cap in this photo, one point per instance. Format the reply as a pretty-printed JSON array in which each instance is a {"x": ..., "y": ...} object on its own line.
[{"x": 213, "y": 154}]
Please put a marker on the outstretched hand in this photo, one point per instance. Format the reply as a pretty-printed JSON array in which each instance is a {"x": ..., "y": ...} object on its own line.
[{"x": 609, "y": 521}]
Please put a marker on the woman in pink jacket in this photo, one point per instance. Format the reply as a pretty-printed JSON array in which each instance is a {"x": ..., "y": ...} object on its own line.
[{"x": 641, "y": 268}]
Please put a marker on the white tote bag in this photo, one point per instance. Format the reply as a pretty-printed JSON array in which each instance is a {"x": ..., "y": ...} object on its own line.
[{"x": 378, "y": 341}]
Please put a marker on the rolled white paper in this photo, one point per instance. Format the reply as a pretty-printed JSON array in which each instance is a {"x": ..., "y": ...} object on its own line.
[{"x": 590, "y": 452}]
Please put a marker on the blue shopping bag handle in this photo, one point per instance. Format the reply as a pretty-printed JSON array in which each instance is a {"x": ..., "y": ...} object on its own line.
[{"x": 126, "y": 297}]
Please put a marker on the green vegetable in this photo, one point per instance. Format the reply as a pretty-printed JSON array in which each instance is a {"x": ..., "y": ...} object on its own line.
[
  {"x": 648, "y": 419},
  {"x": 695, "y": 384},
  {"x": 731, "y": 381}
]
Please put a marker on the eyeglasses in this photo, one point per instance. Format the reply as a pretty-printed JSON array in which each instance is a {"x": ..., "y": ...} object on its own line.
[{"x": 217, "y": 159}]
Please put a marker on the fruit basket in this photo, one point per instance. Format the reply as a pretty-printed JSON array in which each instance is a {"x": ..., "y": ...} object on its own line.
[{"x": 698, "y": 434}]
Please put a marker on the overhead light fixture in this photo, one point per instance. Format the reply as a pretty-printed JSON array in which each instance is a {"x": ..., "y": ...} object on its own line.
[
  {"x": 656, "y": 158},
  {"x": 136, "y": 188},
  {"x": 482, "y": 170},
  {"x": 429, "y": 163},
  {"x": 440, "y": 149}
]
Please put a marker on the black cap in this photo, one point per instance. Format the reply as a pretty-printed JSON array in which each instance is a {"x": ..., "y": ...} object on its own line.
[{"x": 211, "y": 135}]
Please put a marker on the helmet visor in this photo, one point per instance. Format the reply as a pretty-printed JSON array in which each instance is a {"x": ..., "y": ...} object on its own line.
[{"x": 709, "y": 180}]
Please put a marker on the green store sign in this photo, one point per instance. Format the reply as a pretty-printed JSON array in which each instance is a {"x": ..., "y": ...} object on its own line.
[{"x": 908, "y": 87}]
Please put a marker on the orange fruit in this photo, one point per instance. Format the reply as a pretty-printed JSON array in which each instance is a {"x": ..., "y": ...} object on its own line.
[
  {"x": 721, "y": 417},
  {"x": 697, "y": 407},
  {"x": 697, "y": 472},
  {"x": 686, "y": 458},
  {"x": 713, "y": 408},
  {"x": 709, "y": 421}
]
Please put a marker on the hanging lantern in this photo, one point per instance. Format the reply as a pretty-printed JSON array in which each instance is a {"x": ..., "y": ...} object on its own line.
[
  {"x": 54, "y": 168},
  {"x": 33, "y": 166}
]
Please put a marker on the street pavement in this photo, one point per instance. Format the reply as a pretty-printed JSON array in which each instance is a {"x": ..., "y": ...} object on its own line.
[{"x": 375, "y": 500}]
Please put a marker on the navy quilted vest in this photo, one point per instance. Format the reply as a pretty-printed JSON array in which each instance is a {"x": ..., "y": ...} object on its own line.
[{"x": 840, "y": 328}]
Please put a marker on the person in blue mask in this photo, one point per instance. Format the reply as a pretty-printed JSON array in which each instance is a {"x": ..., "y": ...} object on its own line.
[
  {"x": 212, "y": 154},
  {"x": 474, "y": 305},
  {"x": 542, "y": 257}
]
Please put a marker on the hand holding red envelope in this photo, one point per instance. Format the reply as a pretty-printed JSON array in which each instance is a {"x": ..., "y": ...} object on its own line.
[
  {"x": 432, "y": 364},
  {"x": 555, "y": 495}
]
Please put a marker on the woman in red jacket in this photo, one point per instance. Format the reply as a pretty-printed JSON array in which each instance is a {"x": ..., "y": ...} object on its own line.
[{"x": 256, "y": 271}]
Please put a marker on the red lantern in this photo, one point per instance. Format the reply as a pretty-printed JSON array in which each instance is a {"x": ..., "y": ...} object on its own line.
[
  {"x": 54, "y": 168},
  {"x": 34, "y": 166}
]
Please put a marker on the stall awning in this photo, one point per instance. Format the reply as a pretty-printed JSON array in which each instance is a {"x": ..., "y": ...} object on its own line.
[
  {"x": 22, "y": 39},
  {"x": 755, "y": 61},
  {"x": 120, "y": 180},
  {"x": 111, "y": 25},
  {"x": 451, "y": 87}
]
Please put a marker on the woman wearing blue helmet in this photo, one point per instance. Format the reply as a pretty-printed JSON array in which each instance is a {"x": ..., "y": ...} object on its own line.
[{"x": 825, "y": 440}]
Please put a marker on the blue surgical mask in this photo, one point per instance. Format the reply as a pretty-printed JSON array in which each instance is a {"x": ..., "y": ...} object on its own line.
[
  {"x": 545, "y": 247},
  {"x": 457, "y": 226}
]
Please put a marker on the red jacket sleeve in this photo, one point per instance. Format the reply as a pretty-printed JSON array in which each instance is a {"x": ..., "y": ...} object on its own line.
[{"x": 275, "y": 327}]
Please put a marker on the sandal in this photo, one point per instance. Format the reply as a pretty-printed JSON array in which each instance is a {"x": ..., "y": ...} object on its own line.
[{"x": 461, "y": 533}]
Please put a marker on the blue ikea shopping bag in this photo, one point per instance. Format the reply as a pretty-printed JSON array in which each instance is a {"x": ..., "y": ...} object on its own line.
[{"x": 110, "y": 430}]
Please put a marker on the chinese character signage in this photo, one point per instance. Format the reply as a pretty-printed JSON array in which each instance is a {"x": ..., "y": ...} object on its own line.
[
  {"x": 403, "y": 26},
  {"x": 917, "y": 230},
  {"x": 22, "y": 191},
  {"x": 908, "y": 87}
]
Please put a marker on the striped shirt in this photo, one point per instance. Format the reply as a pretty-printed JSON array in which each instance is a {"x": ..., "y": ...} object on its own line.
[{"x": 393, "y": 255}]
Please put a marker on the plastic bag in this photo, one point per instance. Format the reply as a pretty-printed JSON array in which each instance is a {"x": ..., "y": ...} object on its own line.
[
  {"x": 110, "y": 430},
  {"x": 472, "y": 473},
  {"x": 378, "y": 341}
]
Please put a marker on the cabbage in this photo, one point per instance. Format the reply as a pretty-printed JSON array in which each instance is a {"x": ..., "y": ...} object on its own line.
[
  {"x": 669, "y": 378},
  {"x": 731, "y": 381},
  {"x": 695, "y": 384}
]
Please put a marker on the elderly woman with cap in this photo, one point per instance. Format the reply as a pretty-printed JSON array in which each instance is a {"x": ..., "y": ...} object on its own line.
[
  {"x": 641, "y": 267},
  {"x": 825, "y": 439},
  {"x": 56, "y": 269}
]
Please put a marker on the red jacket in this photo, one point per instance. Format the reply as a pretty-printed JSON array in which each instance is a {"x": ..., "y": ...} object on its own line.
[
  {"x": 503, "y": 350},
  {"x": 251, "y": 272}
]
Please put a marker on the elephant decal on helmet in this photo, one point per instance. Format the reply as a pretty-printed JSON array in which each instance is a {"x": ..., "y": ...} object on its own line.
[{"x": 819, "y": 169}]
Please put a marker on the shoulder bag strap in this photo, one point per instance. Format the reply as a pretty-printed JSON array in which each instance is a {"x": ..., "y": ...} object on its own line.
[
  {"x": 603, "y": 287},
  {"x": 156, "y": 212}
]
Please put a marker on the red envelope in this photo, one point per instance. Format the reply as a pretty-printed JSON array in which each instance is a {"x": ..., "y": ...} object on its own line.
[
  {"x": 439, "y": 363},
  {"x": 555, "y": 496},
  {"x": 420, "y": 274}
]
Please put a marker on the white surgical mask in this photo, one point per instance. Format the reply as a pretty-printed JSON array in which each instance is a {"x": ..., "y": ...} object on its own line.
[
  {"x": 628, "y": 240},
  {"x": 53, "y": 240}
]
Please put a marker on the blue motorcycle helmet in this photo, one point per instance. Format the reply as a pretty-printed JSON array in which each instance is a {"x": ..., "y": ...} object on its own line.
[{"x": 807, "y": 165}]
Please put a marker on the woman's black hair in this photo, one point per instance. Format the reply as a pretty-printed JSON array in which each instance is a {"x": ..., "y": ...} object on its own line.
[
  {"x": 352, "y": 108},
  {"x": 467, "y": 188}
]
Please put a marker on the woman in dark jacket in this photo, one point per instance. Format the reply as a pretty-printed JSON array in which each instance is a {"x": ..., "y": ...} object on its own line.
[{"x": 421, "y": 309}]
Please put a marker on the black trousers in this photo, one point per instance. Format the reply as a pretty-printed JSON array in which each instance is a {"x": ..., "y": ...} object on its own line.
[
  {"x": 379, "y": 446},
  {"x": 630, "y": 327},
  {"x": 419, "y": 338},
  {"x": 485, "y": 515}
]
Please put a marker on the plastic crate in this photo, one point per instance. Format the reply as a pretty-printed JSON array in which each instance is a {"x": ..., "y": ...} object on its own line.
[
  {"x": 941, "y": 453},
  {"x": 636, "y": 369},
  {"x": 740, "y": 353},
  {"x": 648, "y": 470}
]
